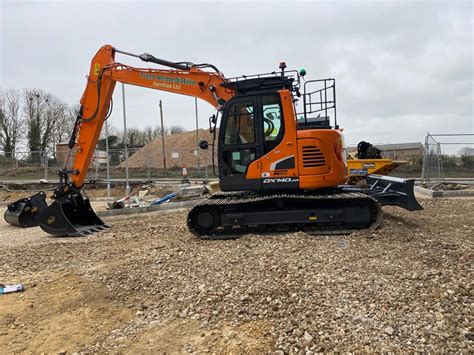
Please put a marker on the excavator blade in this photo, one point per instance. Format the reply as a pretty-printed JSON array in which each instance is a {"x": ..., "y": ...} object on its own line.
[
  {"x": 25, "y": 212},
  {"x": 70, "y": 215},
  {"x": 389, "y": 191},
  {"x": 394, "y": 191}
]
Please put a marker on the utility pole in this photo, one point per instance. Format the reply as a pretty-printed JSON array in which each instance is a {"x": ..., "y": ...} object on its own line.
[
  {"x": 206, "y": 176},
  {"x": 107, "y": 152},
  {"x": 163, "y": 138},
  {"x": 45, "y": 153},
  {"x": 125, "y": 143},
  {"x": 197, "y": 136}
]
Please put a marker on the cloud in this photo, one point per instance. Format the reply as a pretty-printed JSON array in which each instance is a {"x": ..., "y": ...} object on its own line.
[{"x": 402, "y": 68}]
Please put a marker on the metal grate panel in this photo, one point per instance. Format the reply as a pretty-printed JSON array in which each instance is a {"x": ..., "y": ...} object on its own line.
[{"x": 313, "y": 157}]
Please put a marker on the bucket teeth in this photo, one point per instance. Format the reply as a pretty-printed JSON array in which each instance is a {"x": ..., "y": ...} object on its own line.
[{"x": 70, "y": 215}]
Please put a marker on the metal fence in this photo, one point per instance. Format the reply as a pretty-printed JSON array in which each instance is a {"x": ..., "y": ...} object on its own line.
[
  {"x": 143, "y": 163},
  {"x": 447, "y": 157},
  {"x": 25, "y": 165}
]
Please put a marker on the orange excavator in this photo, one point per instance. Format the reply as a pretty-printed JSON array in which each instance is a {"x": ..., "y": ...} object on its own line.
[{"x": 280, "y": 151}]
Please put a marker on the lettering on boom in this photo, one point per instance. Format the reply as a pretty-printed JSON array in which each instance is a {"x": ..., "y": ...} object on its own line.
[{"x": 167, "y": 79}]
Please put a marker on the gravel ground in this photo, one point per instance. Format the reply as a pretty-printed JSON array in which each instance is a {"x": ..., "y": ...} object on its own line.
[{"x": 149, "y": 285}]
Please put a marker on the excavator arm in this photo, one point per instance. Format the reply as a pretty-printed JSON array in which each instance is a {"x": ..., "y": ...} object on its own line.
[
  {"x": 186, "y": 79},
  {"x": 71, "y": 214}
]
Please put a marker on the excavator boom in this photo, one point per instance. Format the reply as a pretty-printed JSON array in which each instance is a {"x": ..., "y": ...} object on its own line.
[{"x": 105, "y": 73}]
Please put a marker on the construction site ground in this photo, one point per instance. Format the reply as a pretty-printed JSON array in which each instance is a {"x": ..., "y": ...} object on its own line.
[
  {"x": 117, "y": 191},
  {"x": 148, "y": 285}
]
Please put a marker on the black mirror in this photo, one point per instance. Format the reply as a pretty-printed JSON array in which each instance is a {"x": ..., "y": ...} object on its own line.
[
  {"x": 203, "y": 144},
  {"x": 212, "y": 123}
]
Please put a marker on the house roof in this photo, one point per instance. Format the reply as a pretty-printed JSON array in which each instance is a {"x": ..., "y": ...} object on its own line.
[{"x": 400, "y": 146}]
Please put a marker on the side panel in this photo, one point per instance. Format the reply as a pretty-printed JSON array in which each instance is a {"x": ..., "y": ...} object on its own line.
[
  {"x": 363, "y": 167},
  {"x": 316, "y": 157},
  {"x": 321, "y": 162}
]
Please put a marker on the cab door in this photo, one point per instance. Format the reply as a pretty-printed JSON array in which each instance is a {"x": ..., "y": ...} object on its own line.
[{"x": 239, "y": 144}]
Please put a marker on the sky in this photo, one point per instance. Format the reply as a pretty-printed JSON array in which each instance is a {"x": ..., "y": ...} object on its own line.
[{"x": 402, "y": 68}]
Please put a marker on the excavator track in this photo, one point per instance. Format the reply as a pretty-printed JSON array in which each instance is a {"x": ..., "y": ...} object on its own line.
[{"x": 228, "y": 215}]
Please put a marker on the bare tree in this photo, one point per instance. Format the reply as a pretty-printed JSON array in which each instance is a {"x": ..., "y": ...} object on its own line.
[
  {"x": 148, "y": 134},
  {"x": 176, "y": 130},
  {"x": 152, "y": 133},
  {"x": 34, "y": 107},
  {"x": 48, "y": 121},
  {"x": 135, "y": 137},
  {"x": 466, "y": 151},
  {"x": 11, "y": 121},
  {"x": 113, "y": 136},
  {"x": 64, "y": 121}
]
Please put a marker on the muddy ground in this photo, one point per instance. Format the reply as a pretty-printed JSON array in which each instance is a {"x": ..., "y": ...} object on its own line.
[{"x": 148, "y": 285}]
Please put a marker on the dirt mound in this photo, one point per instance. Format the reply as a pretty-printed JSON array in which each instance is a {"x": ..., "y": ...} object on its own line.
[{"x": 180, "y": 150}]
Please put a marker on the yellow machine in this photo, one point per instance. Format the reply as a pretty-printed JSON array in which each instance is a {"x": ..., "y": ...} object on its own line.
[
  {"x": 368, "y": 160},
  {"x": 364, "y": 167}
]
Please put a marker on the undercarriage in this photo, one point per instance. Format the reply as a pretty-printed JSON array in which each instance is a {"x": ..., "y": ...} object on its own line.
[
  {"x": 227, "y": 214},
  {"x": 335, "y": 211}
]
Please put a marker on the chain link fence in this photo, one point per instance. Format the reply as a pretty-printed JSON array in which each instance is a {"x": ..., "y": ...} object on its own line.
[
  {"x": 432, "y": 161},
  {"x": 143, "y": 163},
  {"x": 25, "y": 165},
  {"x": 447, "y": 157}
]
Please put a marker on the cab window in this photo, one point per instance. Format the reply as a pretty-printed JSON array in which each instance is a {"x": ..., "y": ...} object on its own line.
[
  {"x": 273, "y": 126},
  {"x": 240, "y": 125}
]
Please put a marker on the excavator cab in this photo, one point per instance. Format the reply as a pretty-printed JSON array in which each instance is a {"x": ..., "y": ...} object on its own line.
[
  {"x": 251, "y": 126},
  {"x": 265, "y": 145}
]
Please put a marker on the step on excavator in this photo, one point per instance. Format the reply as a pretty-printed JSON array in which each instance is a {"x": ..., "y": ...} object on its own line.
[{"x": 280, "y": 154}]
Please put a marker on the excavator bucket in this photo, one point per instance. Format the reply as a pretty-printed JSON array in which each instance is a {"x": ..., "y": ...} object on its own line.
[
  {"x": 70, "y": 215},
  {"x": 25, "y": 212},
  {"x": 389, "y": 190}
]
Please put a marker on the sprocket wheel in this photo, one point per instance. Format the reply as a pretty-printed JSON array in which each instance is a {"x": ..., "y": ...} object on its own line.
[{"x": 203, "y": 220}]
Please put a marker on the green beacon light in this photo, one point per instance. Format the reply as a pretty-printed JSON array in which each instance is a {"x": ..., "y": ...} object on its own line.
[{"x": 302, "y": 72}]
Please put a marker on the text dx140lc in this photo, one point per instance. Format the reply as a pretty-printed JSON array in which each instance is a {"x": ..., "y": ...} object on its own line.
[{"x": 280, "y": 154}]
